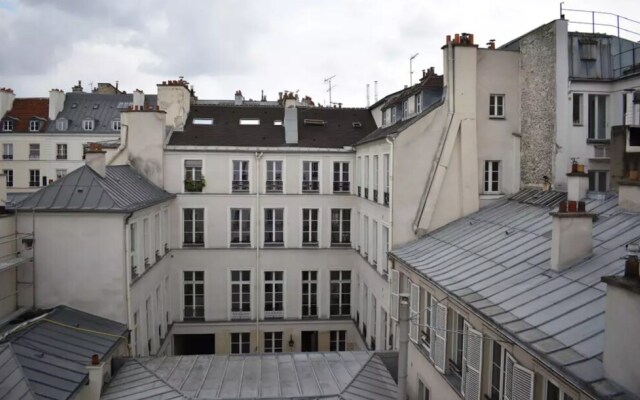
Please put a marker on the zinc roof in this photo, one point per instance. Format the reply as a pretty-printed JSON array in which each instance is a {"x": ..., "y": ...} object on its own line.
[{"x": 497, "y": 261}]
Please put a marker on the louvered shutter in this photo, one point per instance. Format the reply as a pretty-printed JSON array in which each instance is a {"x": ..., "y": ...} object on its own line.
[
  {"x": 508, "y": 376},
  {"x": 432, "y": 331},
  {"x": 414, "y": 323},
  {"x": 522, "y": 383},
  {"x": 440, "y": 357},
  {"x": 395, "y": 290},
  {"x": 465, "y": 343},
  {"x": 472, "y": 366}
]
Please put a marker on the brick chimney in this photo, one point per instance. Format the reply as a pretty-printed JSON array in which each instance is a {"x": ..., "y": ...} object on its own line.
[
  {"x": 95, "y": 158},
  {"x": 56, "y": 103},
  {"x": 577, "y": 182},
  {"x": 571, "y": 234}
]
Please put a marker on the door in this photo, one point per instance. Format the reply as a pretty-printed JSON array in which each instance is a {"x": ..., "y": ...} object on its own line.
[{"x": 309, "y": 341}]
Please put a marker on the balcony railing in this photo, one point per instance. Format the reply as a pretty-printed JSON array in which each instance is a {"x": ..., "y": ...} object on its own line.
[
  {"x": 274, "y": 314},
  {"x": 341, "y": 187},
  {"x": 7, "y": 156},
  {"x": 34, "y": 183},
  {"x": 239, "y": 186},
  {"x": 194, "y": 313},
  {"x": 310, "y": 186},
  {"x": 274, "y": 186},
  {"x": 194, "y": 186},
  {"x": 34, "y": 156},
  {"x": 61, "y": 157},
  {"x": 240, "y": 314}
]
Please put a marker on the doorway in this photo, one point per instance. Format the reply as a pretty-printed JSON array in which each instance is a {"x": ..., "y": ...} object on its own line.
[{"x": 309, "y": 341}]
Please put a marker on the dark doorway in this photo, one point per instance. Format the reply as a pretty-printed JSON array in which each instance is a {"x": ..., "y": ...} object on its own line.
[
  {"x": 309, "y": 341},
  {"x": 186, "y": 345}
]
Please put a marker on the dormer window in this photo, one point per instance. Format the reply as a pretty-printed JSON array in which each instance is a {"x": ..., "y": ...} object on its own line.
[
  {"x": 115, "y": 125},
  {"x": 7, "y": 125},
  {"x": 62, "y": 124},
  {"x": 34, "y": 125},
  {"x": 87, "y": 125},
  {"x": 393, "y": 115},
  {"x": 405, "y": 109},
  {"x": 418, "y": 103}
]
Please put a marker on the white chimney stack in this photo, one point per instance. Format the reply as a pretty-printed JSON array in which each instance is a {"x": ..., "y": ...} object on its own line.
[
  {"x": 56, "y": 103},
  {"x": 629, "y": 195},
  {"x": 577, "y": 183},
  {"x": 290, "y": 119},
  {"x": 95, "y": 159},
  {"x": 238, "y": 99},
  {"x": 97, "y": 370},
  {"x": 6, "y": 100},
  {"x": 138, "y": 99},
  {"x": 571, "y": 235}
]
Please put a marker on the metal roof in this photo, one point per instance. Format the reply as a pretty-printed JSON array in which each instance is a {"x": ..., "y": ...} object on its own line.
[
  {"x": 122, "y": 189},
  {"x": 49, "y": 354},
  {"x": 284, "y": 375},
  {"x": 497, "y": 261}
]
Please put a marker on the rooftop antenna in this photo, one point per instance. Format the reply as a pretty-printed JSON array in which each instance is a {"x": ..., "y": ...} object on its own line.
[
  {"x": 91, "y": 86},
  {"x": 375, "y": 91},
  {"x": 368, "y": 102},
  {"x": 330, "y": 86},
  {"x": 411, "y": 68}
]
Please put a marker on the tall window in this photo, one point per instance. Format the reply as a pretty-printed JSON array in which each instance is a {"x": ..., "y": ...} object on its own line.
[
  {"x": 496, "y": 106},
  {"x": 597, "y": 116},
  {"x": 156, "y": 235},
  {"x": 577, "y": 109},
  {"x": 62, "y": 124},
  {"x": 193, "y": 219},
  {"x": 425, "y": 335},
  {"x": 375, "y": 178},
  {"x": 274, "y": 226},
  {"x": 149, "y": 326},
  {"x": 133, "y": 258},
  {"x": 193, "y": 181},
  {"x": 61, "y": 151},
  {"x": 555, "y": 392},
  {"x": 240, "y": 343},
  {"x": 387, "y": 173},
  {"x": 423, "y": 391},
  {"x": 7, "y": 151},
  {"x": 273, "y": 294},
  {"x": 359, "y": 174},
  {"x": 273, "y": 342},
  {"x": 418, "y": 103},
  {"x": 366, "y": 177},
  {"x": 34, "y": 177},
  {"x": 146, "y": 241},
  {"x": 240, "y": 180},
  {"x": 405, "y": 109},
  {"x": 310, "y": 227},
  {"x": 374, "y": 242},
  {"x": 34, "y": 125},
  {"x": 341, "y": 182},
  {"x": 193, "y": 295},
  {"x": 240, "y": 226},
  {"x": 240, "y": 294},
  {"x": 598, "y": 181},
  {"x": 274, "y": 177},
  {"x": 393, "y": 114},
  {"x": 340, "y": 226},
  {"x": 340, "y": 294},
  {"x": 496, "y": 370},
  {"x": 115, "y": 125},
  {"x": 457, "y": 340},
  {"x": 338, "y": 341},
  {"x": 365, "y": 235},
  {"x": 310, "y": 176},
  {"x": 385, "y": 247},
  {"x": 9, "y": 176},
  {"x": 492, "y": 176},
  {"x": 309, "y": 294},
  {"x": 34, "y": 151},
  {"x": 7, "y": 125}
]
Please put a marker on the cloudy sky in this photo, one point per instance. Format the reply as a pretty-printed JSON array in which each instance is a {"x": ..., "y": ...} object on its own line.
[{"x": 221, "y": 46}]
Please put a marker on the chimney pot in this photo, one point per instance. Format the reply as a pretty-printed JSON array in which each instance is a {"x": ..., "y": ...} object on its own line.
[{"x": 95, "y": 359}]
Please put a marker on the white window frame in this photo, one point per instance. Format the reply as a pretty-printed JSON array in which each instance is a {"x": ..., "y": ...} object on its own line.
[
  {"x": 149, "y": 324},
  {"x": 341, "y": 231},
  {"x": 491, "y": 167},
  {"x": 414, "y": 313},
  {"x": 562, "y": 394},
  {"x": 7, "y": 151},
  {"x": 8, "y": 125},
  {"x": 62, "y": 151},
  {"x": 577, "y": 101},
  {"x": 244, "y": 214},
  {"x": 374, "y": 242},
  {"x": 405, "y": 109},
  {"x": 338, "y": 340},
  {"x": 308, "y": 182},
  {"x": 309, "y": 220},
  {"x": 34, "y": 182},
  {"x": 273, "y": 168},
  {"x": 243, "y": 287},
  {"x": 418, "y": 103},
  {"x": 8, "y": 176},
  {"x": 135, "y": 337},
  {"x": 194, "y": 283},
  {"x": 34, "y": 151},
  {"x": 273, "y": 285},
  {"x": 62, "y": 124},
  {"x": 596, "y": 118},
  {"x": 238, "y": 170},
  {"x": 273, "y": 342},
  {"x": 88, "y": 125},
  {"x": 116, "y": 125},
  {"x": 343, "y": 167},
  {"x": 341, "y": 281},
  {"x": 311, "y": 281},
  {"x": 34, "y": 125},
  {"x": 193, "y": 173},
  {"x": 156, "y": 235},
  {"x": 365, "y": 236},
  {"x": 273, "y": 227},
  {"x": 242, "y": 340},
  {"x": 146, "y": 232},
  {"x": 194, "y": 231},
  {"x": 497, "y": 110},
  {"x": 376, "y": 178},
  {"x": 133, "y": 246}
]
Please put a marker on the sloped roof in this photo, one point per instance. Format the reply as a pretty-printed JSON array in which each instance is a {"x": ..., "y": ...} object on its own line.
[
  {"x": 337, "y": 132},
  {"x": 24, "y": 110},
  {"x": 497, "y": 261},
  {"x": 13, "y": 382},
  {"x": 53, "y": 350},
  {"x": 122, "y": 189},
  {"x": 281, "y": 375}
]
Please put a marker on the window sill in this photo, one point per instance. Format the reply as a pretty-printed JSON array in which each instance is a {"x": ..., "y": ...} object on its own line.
[
  {"x": 310, "y": 244},
  {"x": 497, "y": 118},
  {"x": 192, "y": 245},
  {"x": 341, "y": 244},
  {"x": 267, "y": 245},
  {"x": 491, "y": 196},
  {"x": 240, "y": 245},
  {"x": 598, "y": 141}
]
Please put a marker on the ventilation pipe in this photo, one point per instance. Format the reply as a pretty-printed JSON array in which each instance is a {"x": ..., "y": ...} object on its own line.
[{"x": 403, "y": 351}]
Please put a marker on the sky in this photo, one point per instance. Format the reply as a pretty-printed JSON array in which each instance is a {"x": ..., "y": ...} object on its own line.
[{"x": 221, "y": 46}]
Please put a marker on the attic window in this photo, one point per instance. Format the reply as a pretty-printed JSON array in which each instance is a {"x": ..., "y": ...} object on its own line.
[
  {"x": 249, "y": 121},
  {"x": 314, "y": 122},
  {"x": 115, "y": 125},
  {"x": 203, "y": 121},
  {"x": 34, "y": 125},
  {"x": 7, "y": 125},
  {"x": 123, "y": 105},
  {"x": 87, "y": 125},
  {"x": 277, "y": 122},
  {"x": 357, "y": 124}
]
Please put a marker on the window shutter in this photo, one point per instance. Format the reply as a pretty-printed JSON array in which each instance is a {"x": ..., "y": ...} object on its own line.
[
  {"x": 522, "y": 383},
  {"x": 395, "y": 289},
  {"x": 472, "y": 364},
  {"x": 508, "y": 376},
  {"x": 440, "y": 356},
  {"x": 414, "y": 323},
  {"x": 465, "y": 343}
]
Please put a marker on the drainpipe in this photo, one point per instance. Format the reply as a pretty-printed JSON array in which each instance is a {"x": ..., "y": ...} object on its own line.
[
  {"x": 33, "y": 250},
  {"x": 127, "y": 280},
  {"x": 403, "y": 353},
  {"x": 257, "y": 240},
  {"x": 391, "y": 140}
]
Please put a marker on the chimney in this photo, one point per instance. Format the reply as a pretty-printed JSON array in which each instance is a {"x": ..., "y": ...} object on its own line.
[
  {"x": 629, "y": 194},
  {"x": 238, "y": 99},
  {"x": 138, "y": 99},
  {"x": 622, "y": 323},
  {"x": 290, "y": 119},
  {"x": 174, "y": 97},
  {"x": 77, "y": 88},
  {"x": 95, "y": 158},
  {"x": 491, "y": 45},
  {"x": 577, "y": 182},
  {"x": 56, "y": 103},
  {"x": 97, "y": 372},
  {"x": 6, "y": 100},
  {"x": 571, "y": 234}
]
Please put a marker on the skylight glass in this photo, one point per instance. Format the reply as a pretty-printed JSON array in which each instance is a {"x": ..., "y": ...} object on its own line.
[
  {"x": 203, "y": 121},
  {"x": 249, "y": 121}
]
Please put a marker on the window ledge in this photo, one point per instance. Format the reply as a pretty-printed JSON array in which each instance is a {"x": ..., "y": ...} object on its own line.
[
  {"x": 598, "y": 141},
  {"x": 491, "y": 196},
  {"x": 497, "y": 118}
]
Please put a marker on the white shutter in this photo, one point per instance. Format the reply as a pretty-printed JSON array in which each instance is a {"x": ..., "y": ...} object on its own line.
[
  {"x": 472, "y": 363},
  {"x": 395, "y": 290},
  {"x": 465, "y": 343},
  {"x": 432, "y": 331},
  {"x": 508, "y": 376},
  {"x": 414, "y": 314},
  {"x": 440, "y": 356},
  {"x": 522, "y": 383}
]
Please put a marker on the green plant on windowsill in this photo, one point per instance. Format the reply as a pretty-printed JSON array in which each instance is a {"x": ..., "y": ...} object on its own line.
[{"x": 194, "y": 186}]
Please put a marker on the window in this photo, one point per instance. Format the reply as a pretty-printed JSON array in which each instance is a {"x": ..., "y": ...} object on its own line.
[
  {"x": 156, "y": 235},
  {"x": 365, "y": 235},
  {"x": 310, "y": 227},
  {"x": 193, "y": 181},
  {"x": 149, "y": 327},
  {"x": 61, "y": 151},
  {"x": 240, "y": 226},
  {"x": 240, "y": 180},
  {"x": 34, "y": 178},
  {"x": 203, "y": 121},
  {"x": 366, "y": 177},
  {"x": 338, "y": 341},
  {"x": 136, "y": 334},
  {"x": 240, "y": 343},
  {"x": 274, "y": 227},
  {"x": 387, "y": 173},
  {"x": 62, "y": 124},
  {"x": 7, "y": 125},
  {"x": 374, "y": 242},
  {"x": 277, "y": 122},
  {"x": 340, "y": 226},
  {"x": 457, "y": 343},
  {"x": 598, "y": 181},
  {"x": 577, "y": 109},
  {"x": 492, "y": 176},
  {"x": 555, "y": 392},
  {"x": 274, "y": 177},
  {"x": 34, "y": 125},
  {"x": 7, "y": 151},
  {"x": 133, "y": 259},
  {"x": 193, "y": 295},
  {"x": 597, "y": 116},
  {"x": 249, "y": 121},
  {"x": 496, "y": 370},
  {"x": 418, "y": 103},
  {"x": 385, "y": 247},
  {"x": 165, "y": 229},
  {"x": 425, "y": 335},
  {"x": 145, "y": 242},
  {"x": 340, "y": 294},
  {"x": 310, "y": 176},
  {"x": 341, "y": 182},
  {"x": 405, "y": 109},
  {"x": 115, "y": 125},
  {"x": 384, "y": 118},
  {"x": 393, "y": 115},
  {"x": 8, "y": 173},
  {"x": 309, "y": 294},
  {"x": 240, "y": 294},
  {"x": 193, "y": 219},
  {"x": 273, "y": 342},
  {"x": 34, "y": 151},
  {"x": 273, "y": 294},
  {"x": 496, "y": 106},
  {"x": 423, "y": 391},
  {"x": 375, "y": 178},
  {"x": 87, "y": 125}
]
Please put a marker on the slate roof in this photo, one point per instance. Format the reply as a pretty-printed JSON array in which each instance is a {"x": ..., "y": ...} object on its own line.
[
  {"x": 227, "y": 131},
  {"x": 281, "y": 375},
  {"x": 497, "y": 261},
  {"x": 122, "y": 190},
  {"x": 103, "y": 108},
  {"x": 46, "y": 357},
  {"x": 24, "y": 110}
]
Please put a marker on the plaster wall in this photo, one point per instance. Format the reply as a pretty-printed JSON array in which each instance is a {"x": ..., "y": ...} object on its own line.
[{"x": 175, "y": 100}]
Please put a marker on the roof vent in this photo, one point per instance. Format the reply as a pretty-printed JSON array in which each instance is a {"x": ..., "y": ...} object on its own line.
[
  {"x": 357, "y": 124},
  {"x": 74, "y": 105},
  {"x": 314, "y": 122},
  {"x": 96, "y": 106}
]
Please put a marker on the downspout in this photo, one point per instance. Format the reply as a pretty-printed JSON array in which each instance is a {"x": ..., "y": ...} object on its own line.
[
  {"x": 257, "y": 240},
  {"x": 403, "y": 351},
  {"x": 127, "y": 280},
  {"x": 33, "y": 249},
  {"x": 391, "y": 140}
]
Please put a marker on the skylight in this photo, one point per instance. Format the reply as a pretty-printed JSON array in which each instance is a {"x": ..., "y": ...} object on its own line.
[
  {"x": 315, "y": 122},
  {"x": 203, "y": 121},
  {"x": 277, "y": 122},
  {"x": 249, "y": 121},
  {"x": 357, "y": 124}
]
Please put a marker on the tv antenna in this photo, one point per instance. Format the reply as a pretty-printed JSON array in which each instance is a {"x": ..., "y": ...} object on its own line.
[
  {"x": 330, "y": 86},
  {"x": 411, "y": 68}
]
